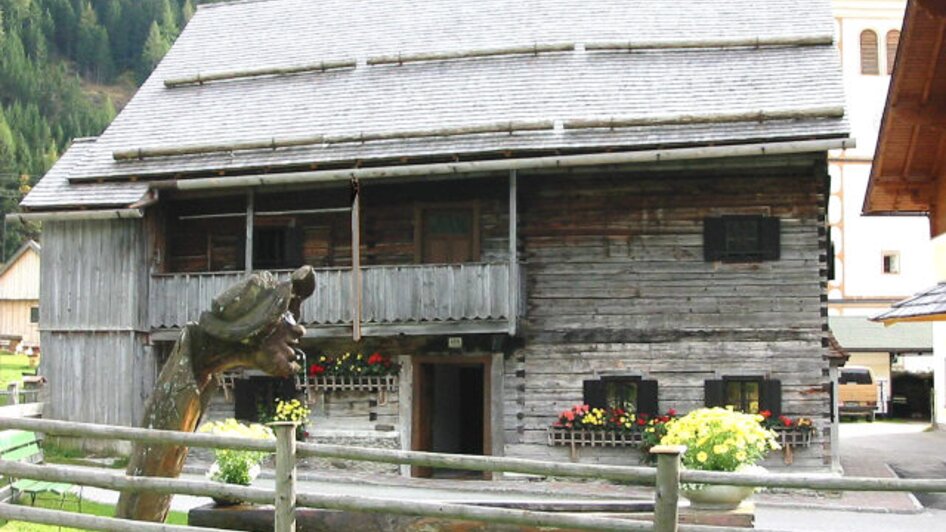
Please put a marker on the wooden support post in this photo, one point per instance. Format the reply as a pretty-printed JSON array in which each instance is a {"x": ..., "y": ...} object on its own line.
[
  {"x": 14, "y": 389},
  {"x": 666, "y": 518},
  {"x": 248, "y": 252},
  {"x": 285, "y": 475},
  {"x": 513, "y": 253},
  {"x": 355, "y": 261}
]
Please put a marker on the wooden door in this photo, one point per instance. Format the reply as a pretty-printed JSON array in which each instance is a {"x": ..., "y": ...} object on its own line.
[{"x": 449, "y": 234}]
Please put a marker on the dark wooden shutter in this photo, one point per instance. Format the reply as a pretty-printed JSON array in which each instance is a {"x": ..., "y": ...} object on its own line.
[
  {"x": 647, "y": 398},
  {"x": 830, "y": 257},
  {"x": 770, "y": 238},
  {"x": 295, "y": 237},
  {"x": 594, "y": 394},
  {"x": 869, "y": 66},
  {"x": 714, "y": 238},
  {"x": 771, "y": 392},
  {"x": 714, "y": 393}
]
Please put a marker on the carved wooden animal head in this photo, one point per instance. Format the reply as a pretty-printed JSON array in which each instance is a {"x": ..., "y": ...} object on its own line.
[{"x": 256, "y": 320}]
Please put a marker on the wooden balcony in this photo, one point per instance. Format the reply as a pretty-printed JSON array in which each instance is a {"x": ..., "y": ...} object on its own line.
[{"x": 406, "y": 299}]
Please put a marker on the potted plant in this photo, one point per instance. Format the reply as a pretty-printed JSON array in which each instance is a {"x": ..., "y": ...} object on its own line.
[
  {"x": 719, "y": 439},
  {"x": 295, "y": 411},
  {"x": 236, "y": 466}
]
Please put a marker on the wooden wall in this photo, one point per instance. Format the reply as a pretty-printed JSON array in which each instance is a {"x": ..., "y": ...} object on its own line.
[
  {"x": 93, "y": 315},
  {"x": 15, "y": 320},
  {"x": 21, "y": 279},
  {"x": 617, "y": 285}
]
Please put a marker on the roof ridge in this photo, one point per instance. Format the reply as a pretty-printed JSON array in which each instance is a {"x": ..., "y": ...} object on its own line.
[{"x": 230, "y": 3}]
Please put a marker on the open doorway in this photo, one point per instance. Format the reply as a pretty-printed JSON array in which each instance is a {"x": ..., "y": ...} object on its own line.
[{"x": 451, "y": 410}]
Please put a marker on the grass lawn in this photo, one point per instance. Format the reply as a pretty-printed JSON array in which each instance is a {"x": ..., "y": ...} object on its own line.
[
  {"x": 12, "y": 368},
  {"x": 88, "y": 507}
]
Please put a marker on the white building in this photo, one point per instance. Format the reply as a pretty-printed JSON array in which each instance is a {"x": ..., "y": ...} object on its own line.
[{"x": 878, "y": 259}]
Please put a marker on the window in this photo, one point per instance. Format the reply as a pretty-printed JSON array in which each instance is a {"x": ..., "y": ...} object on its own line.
[
  {"x": 869, "y": 66},
  {"x": 34, "y": 314},
  {"x": 632, "y": 394},
  {"x": 741, "y": 238},
  {"x": 745, "y": 394},
  {"x": 277, "y": 247},
  {"x": 891, "y": 262},
  {"x": 447, "y": 233},
  {"x": 893, "y": 40},
  {"x": 855, "y": 376}
]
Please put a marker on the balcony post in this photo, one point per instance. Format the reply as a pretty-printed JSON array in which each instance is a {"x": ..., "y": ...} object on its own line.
[
  {"x": 355, "y": 260},
  {"x": 513, "y": 253},
  {"x": 250, "y": 218}
]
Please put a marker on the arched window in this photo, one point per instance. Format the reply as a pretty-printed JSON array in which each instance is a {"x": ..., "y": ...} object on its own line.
[
  {"x": 893, "y": 39},
  {"x": 869, "y": 65}
]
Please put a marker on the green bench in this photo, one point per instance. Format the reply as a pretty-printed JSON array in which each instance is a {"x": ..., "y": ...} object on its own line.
[{"x": 23, "y": 446}]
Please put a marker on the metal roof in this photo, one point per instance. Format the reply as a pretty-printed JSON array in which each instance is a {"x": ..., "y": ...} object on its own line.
[
  {"x": 859, "y": 333},
  {"x": 580, "y": 84},
  {"x": 928, "y": 305}
]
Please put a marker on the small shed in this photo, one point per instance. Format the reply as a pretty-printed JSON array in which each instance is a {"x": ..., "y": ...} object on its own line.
[{"x": 19, "y": 299}]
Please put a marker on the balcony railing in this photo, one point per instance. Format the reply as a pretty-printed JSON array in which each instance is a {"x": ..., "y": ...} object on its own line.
[{"x": 393, "y": 298}]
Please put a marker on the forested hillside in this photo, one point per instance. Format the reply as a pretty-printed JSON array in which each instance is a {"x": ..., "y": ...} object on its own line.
[{"x": 65, "y": 66}]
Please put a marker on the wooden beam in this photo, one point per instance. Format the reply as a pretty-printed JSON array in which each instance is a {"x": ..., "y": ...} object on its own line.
[
  {"x": 513, "y": 253},
  {"x": 928, "y": 114},
  {"x": 248, "y": 251},
  {"x": 935, "y": 8},
  {"x": 938, "y": 209},
  {"x": 355, "y": 261}
]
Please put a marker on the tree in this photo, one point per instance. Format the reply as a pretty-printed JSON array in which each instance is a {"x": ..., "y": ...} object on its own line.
[
  {"x": 155, "y": 47},
  {"x": 187, "y": 11},
  {"x": 93, "y": 52}
]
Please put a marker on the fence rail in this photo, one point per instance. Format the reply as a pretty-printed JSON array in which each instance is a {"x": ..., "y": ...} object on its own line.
[{"x": 666, "y": 478}]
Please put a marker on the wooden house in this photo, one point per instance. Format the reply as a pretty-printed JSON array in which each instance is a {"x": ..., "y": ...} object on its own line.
[
  {"x": 527, "y": 206},
  {"x": 19, "y": 300}
]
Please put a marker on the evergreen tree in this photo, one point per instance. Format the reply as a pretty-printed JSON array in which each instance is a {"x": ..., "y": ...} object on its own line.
[{"x": 155, "y": 47}]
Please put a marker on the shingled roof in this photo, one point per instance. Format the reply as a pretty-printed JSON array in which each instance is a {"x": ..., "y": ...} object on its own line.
[
  {"x": 403, "y": 80},
  {"x": 928, "y": 305}
]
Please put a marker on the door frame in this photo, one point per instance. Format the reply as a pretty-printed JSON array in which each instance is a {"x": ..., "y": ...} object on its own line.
[{"x": 417, "y": 424}]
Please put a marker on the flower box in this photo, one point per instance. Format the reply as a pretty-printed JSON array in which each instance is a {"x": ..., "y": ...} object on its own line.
[
  {"x": 365, "y": 383},
  {"x": 594, "y": 438},
  {"x": 793, "y": 436}
]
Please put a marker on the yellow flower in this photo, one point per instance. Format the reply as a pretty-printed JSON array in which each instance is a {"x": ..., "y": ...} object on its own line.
[
  {"x": 720, "y": 449},
  {"x": 740, "y": 455},
  {"x": 701, "y": 457}
]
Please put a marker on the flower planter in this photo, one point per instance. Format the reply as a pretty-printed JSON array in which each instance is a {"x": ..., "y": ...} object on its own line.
[
  {"x": 714, "y": 497},
  {"x": 380, "y": 384},
  {"x": 559, "y": 436},
  {"x": 793, "y": 436}
]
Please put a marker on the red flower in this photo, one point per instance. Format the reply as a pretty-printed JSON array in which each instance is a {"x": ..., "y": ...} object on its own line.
[
  {"x": 785, "y": 421},
  {"x": 671, "y": 412},
  {"x": 569, "y": 415},
  {"x": 316, "y": 369},
  {"x": 765, "y": 414},
  {"x": 641, "y": 421},
  {"x": 376, "y": 358}
]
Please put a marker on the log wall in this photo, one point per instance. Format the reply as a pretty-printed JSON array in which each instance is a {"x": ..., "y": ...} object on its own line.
[{"x": 617, "y": 285}]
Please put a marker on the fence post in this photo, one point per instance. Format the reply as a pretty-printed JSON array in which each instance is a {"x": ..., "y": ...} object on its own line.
[
  {"x": 285, "y": 520},
  {"x": 667, "y": 496}
]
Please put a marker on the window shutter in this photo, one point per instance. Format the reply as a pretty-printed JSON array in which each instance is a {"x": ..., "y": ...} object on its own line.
[
  {"x": 869, "y": 66},
  {"x": 714, "y": 393},
  {"x": 893, "y": 41},
  {"x": 770, "y": 238},
  {"x": 594, "y": 394},
  {"x": 714, "y": 238},
  {"x": 831, "y": 252},
  {"x": 772, "y": 396},
  {"x": 647, "y": 398}
]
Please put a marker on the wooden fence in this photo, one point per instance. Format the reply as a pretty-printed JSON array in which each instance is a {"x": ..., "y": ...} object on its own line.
[{"x": 666, "y": 477}]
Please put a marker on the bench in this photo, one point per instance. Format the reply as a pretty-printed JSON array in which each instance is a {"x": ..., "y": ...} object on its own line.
[{"x": 23, "y": 446}]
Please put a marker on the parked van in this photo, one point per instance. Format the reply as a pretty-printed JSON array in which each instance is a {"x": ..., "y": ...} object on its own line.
[{"x": 857, "y": 392}]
